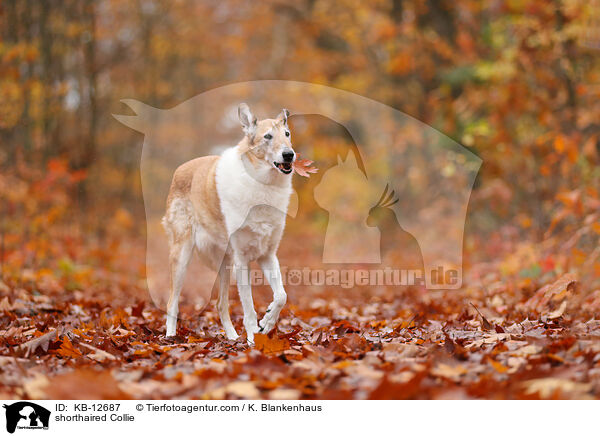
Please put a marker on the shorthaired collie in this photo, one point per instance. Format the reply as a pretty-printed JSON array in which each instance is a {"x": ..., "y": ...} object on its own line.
[{"x": 232, "y": 209}]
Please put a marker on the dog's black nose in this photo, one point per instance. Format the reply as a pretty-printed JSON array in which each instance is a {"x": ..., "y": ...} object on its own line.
[{"x": 288, "y": 155}]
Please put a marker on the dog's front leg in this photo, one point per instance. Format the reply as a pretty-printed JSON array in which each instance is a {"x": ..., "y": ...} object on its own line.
[
  {"x": 272, "y": 272},
  {"x": 180, "y": 255},
  {"x": 242, "y": 273}
]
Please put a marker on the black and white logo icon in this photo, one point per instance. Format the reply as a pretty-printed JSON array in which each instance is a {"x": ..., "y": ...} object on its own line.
[{"x": 26, "y": 415}]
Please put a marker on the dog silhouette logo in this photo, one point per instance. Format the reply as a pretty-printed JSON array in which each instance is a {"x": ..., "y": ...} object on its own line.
[
  {"x": 416, "y": 224},
  {"x": 26, "y": 415}
]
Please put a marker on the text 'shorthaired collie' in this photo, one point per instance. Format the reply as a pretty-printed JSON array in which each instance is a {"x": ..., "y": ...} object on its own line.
[{"x": 232, "y": 209}]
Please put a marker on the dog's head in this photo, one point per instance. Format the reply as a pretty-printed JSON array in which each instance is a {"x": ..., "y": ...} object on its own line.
[{"x": 269, "y": 140}]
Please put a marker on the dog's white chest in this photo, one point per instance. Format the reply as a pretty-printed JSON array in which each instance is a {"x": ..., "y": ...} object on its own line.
[{"x": 254, "y": 212}]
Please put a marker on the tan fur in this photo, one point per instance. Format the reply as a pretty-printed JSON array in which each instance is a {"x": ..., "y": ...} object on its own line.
[
  {"x": 194, "y": 219},
  {"x": 252, "y": 150},
  {"x": 192, "y": 198},
  {"x": 195, "y": 181}
]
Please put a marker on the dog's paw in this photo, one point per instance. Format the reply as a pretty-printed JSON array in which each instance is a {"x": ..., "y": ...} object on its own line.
[
  {"x": 171, "y": 330},
  {"x": 267, "y": 324},
  {"x": 232, "y": 336}
]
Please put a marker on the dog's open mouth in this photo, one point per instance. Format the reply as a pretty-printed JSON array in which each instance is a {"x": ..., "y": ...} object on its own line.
[{"x": 284, "y": 167}]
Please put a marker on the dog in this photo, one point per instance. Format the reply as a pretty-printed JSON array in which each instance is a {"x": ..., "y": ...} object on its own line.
[{"x": 232, "y": 209}]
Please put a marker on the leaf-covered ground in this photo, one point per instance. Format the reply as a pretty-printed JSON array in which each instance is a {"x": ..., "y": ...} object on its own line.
[{"x": 498, "y": 339}]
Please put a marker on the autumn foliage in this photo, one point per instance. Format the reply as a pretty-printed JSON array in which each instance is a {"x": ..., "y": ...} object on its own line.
[{"x": 517, "y": 83}]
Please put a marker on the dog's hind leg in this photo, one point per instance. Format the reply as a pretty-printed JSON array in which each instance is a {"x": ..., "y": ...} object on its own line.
[
  {"x": 242, "y": 274},
  {"x": 223, "y": 301},
  {"x": 270, "y": 266},
  {"x": 179, "y": 258}
]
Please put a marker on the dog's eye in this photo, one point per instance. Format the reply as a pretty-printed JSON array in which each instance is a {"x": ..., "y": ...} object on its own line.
[
  {"x": 287, "y": 133},
  {"x": 268, "y": 136}
]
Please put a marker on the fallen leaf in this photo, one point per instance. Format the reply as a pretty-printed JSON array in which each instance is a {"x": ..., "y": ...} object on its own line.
[
  {"x": 556, "y": 291},
  {"x": 98, "y": 354},
  {"x": 498, "y": 366},
  {"x": 269, "y": 345},
  {"x": 527, "y": 350},
  {"x": 558, "y": 312},
  {"x": 83, "y": 384},
  {"x": 448, "y": 371},
  {"x": 36, "y": 387},
  {"x": 552, "y": 387},
  {"x": 243, "y": 389},
  {"x": 42, "y": 342},
  {"x": 67, "y": 349},
  {"x": 389, "y": 389},
  {"x": 5, "y": 305},
  {"x": 282, "y": 394},
  {"x": 486, "y": 323}
]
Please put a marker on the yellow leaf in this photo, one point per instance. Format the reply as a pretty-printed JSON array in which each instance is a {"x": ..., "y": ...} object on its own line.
[{"x": 497, "y": 365}]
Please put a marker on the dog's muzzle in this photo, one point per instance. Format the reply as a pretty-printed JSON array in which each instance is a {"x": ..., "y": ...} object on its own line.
[
  {"x": 284, "y": 167},
  {"x": 288, "y": 157}
]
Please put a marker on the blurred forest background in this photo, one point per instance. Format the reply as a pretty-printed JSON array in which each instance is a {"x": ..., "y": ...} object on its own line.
[{"x": 517, "y": 82}]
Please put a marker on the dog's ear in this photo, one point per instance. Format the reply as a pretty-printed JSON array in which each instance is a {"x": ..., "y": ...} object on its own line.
[
  {"x": 247, "y": 119},
  {"x": 283, "y": 116}
]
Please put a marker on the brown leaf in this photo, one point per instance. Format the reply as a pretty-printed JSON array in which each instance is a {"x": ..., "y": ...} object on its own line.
[
  {"x": 83, "y": 384},
  {"x": 391, "y": 390},
  {"x": 40, "y": 342},
  {"x": 138, "y": 308},
  {"x": 303, "y": 167},
  {"x": 98, "y": 354},
  {"x": 454, "y": 348},
  {"x": 552, "y": 293},
  {"x": 558, "y": 312},
  {"x": 486, "y": 323}
]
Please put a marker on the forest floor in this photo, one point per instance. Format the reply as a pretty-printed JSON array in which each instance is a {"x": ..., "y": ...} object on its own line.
[{"x": 92, "y": 333}]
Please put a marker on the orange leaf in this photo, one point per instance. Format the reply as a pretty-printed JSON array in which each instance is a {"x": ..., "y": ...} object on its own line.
[
  {"x": 67, "y": 349},
  {"x": 270, "y": 345},
  {"x": 560, "y": 143}
]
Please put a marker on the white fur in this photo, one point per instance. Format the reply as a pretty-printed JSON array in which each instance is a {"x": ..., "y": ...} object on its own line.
[
  {"x": 253, "y": 198},
  {"x": 254, "y": 203},
  {"x": 239, "y": 191}
]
